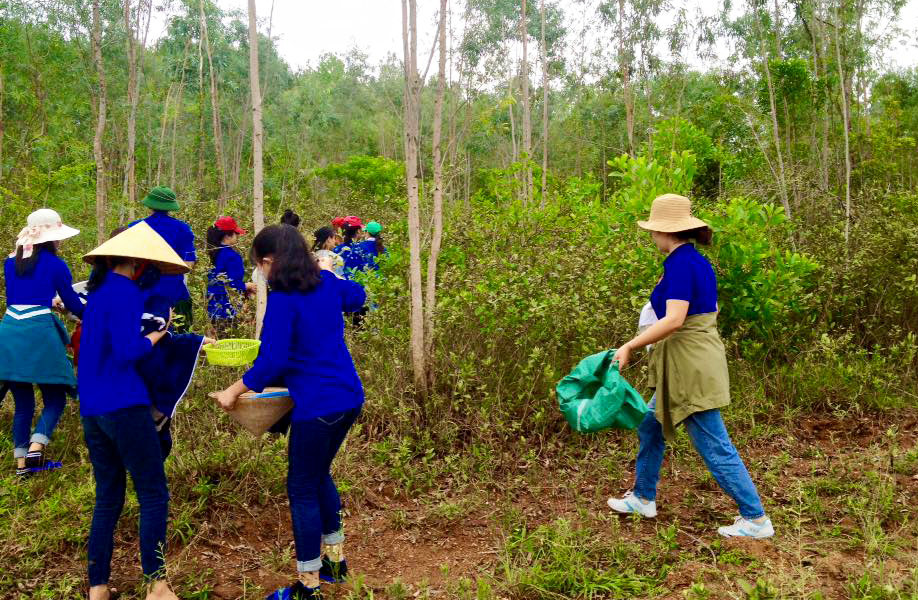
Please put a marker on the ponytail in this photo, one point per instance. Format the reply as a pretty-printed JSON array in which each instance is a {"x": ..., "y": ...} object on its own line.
[{"x": 215, "y": 242}]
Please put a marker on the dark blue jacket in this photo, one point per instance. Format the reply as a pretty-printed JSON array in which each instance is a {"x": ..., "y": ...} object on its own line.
[
  {"x": 228, "y": 272},
  {"x": 302, "y": 343},
  {"x": 48, "y": 277},
  {"x": 178, "y": 235},
  {"x": 110, "y": 348}
]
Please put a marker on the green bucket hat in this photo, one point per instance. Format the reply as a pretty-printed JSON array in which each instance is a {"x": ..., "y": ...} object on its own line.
[
  {"x": 161, "y": 198},
  {"x": 373, "y": 228}
]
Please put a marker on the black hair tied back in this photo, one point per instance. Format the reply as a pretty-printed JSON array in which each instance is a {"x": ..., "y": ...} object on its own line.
[
  {"x": 293, "y": 269},
  {"x": 290, "y": 218}
]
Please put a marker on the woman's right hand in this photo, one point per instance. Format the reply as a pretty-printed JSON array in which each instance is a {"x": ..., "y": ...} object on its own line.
[{"x": 622, "y": 356}]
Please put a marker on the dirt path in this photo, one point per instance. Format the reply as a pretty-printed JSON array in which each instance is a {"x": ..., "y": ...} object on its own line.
[{"x": 404, "y": 547}]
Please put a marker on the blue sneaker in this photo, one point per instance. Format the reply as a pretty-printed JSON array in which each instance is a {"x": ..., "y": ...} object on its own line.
[
  {"x": 748, "y": 529},
  {"x": 297, "y": 591}
]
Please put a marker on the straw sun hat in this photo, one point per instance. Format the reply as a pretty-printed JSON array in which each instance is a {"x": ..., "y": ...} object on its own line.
[
  {"x": 670, "y": 213},
  {"x": 143, "y": 243}
]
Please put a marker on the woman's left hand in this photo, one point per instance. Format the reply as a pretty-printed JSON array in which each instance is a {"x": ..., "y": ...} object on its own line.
[
  {"x": 622, "y": 356},
  {"x": 226, "y": 399}
]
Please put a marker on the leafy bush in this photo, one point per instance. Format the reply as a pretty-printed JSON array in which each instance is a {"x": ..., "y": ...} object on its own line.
[{"x": 375, "y": 176}]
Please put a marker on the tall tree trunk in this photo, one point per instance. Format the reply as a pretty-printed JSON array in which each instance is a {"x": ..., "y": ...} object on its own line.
[
  {"x": 101, "y": 233},
  {"x": 162, "y": 131},
  {"x": 527, "y": 113},
  {"x": 129, "y": 189},
  {"x": 544, "y": 109},
  {"x": 1, "y": 125},
  {"x": 782, "y": 180},
  {"x": 180, "y": 99},
  {"x": 846, "y": 117},
  {"x": 200, "y": 144},
  {"x": 624, "y": 62},
  {"x": 215, "y": 114},
  {"x": 257, "y": 166},
  {"x": 412, "y": 138},
  {"x": 437, "y": 236}
]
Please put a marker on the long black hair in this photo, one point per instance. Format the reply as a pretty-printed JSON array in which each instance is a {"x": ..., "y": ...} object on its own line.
[
  {"x": 380, "y": 246},
  {"x": 293, "y": 268},
  {"x": 24, "y": 266},
  {"x": 322, "y": 234},
  {"x": 350, "y": 232},
  {"x": 701, "y": 235},
  {"x": 290, "y": 218},
  {"x": 215, "y": 239}
]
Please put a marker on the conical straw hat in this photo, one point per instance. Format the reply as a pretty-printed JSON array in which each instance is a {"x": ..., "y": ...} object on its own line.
[
  {"x": 142, "y": 242},
  {"x": 671, "y": 213}
]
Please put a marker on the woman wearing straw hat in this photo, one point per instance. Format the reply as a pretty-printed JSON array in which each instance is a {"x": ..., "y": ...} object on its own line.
[
  {"x": 115, "y": 405},
  {"x": 32, "y": 340},
  {"x": 688, "y": 372}
]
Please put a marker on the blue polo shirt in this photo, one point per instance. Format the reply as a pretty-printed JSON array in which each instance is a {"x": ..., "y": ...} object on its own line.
[
  {"x": 110, "y": 348},
  {"x": 49, "y": 276},
  {"x": 687, "y": 275},
  {"x": 178, "y": 235},
  {"x": 302, "y": 343}
]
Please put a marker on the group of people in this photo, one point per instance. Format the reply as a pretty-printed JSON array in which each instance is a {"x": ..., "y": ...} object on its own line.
[
  {"x": 347, "y": 247},
  {"x": 136, "y": 294},
  {"x": 135, "y": 357}
]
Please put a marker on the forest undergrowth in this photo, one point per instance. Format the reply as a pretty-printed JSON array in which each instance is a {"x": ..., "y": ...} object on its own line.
[{"x": 482, "y": 492}]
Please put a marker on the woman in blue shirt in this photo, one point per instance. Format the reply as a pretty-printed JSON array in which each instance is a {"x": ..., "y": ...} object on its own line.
[
  {"x": 32, "y": 340},
  {"x": 115, "y": 405},
  {"x": 688, "y": 372},
  {"x": 372, "y": 247},
  {"x": 302, "y": 343},
  {"x": 228, "y": 271}
]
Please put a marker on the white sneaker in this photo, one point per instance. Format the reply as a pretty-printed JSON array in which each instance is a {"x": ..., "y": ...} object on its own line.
[
  {"x": 630, "y": 503},
  {"x": 750, "y": 529}
]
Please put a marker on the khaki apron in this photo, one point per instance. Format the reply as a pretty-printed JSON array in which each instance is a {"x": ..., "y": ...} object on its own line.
[{"x": 688, "y": 372}]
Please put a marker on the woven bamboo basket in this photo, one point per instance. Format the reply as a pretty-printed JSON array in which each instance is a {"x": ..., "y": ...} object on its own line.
[{"x": 257, "y": 415}]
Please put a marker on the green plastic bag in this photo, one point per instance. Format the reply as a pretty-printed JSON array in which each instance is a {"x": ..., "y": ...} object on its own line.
[{"x": 595, "y": 396}]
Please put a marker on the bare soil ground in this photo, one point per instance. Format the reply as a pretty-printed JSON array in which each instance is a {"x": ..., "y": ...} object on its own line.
[{"x": 407, "y": 545}]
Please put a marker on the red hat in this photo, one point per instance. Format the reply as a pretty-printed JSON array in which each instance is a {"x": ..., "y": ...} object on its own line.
[
  {"x": 228, "y": 224},
  {"x": 338, "y": 222},
  {"x": 353, "y": 221}
]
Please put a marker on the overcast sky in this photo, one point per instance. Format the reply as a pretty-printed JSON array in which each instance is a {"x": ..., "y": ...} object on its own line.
[{"x": 306, "y": 29}]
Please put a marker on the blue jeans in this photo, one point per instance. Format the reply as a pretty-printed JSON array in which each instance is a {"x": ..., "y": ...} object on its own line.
[
  {"x": 315, "y": 506},
  {"x": 53, "y": 397},
  {"x": 710, "y": 438},
  {"x": 120, "y": 442}
]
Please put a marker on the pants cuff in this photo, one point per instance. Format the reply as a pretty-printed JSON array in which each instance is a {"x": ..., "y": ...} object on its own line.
[
  {"x": 40, "y": 438},
  {"x": 333, "y": 538},
  {"x": 309, "y": 566},
  {"x": 20, "y": 452}
]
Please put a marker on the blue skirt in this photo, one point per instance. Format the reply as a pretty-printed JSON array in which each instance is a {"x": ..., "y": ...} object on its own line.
[{"x": 33, "y": 347}]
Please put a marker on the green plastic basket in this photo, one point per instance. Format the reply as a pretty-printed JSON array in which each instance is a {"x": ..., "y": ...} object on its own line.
[{"x": 232, "y": 353}]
